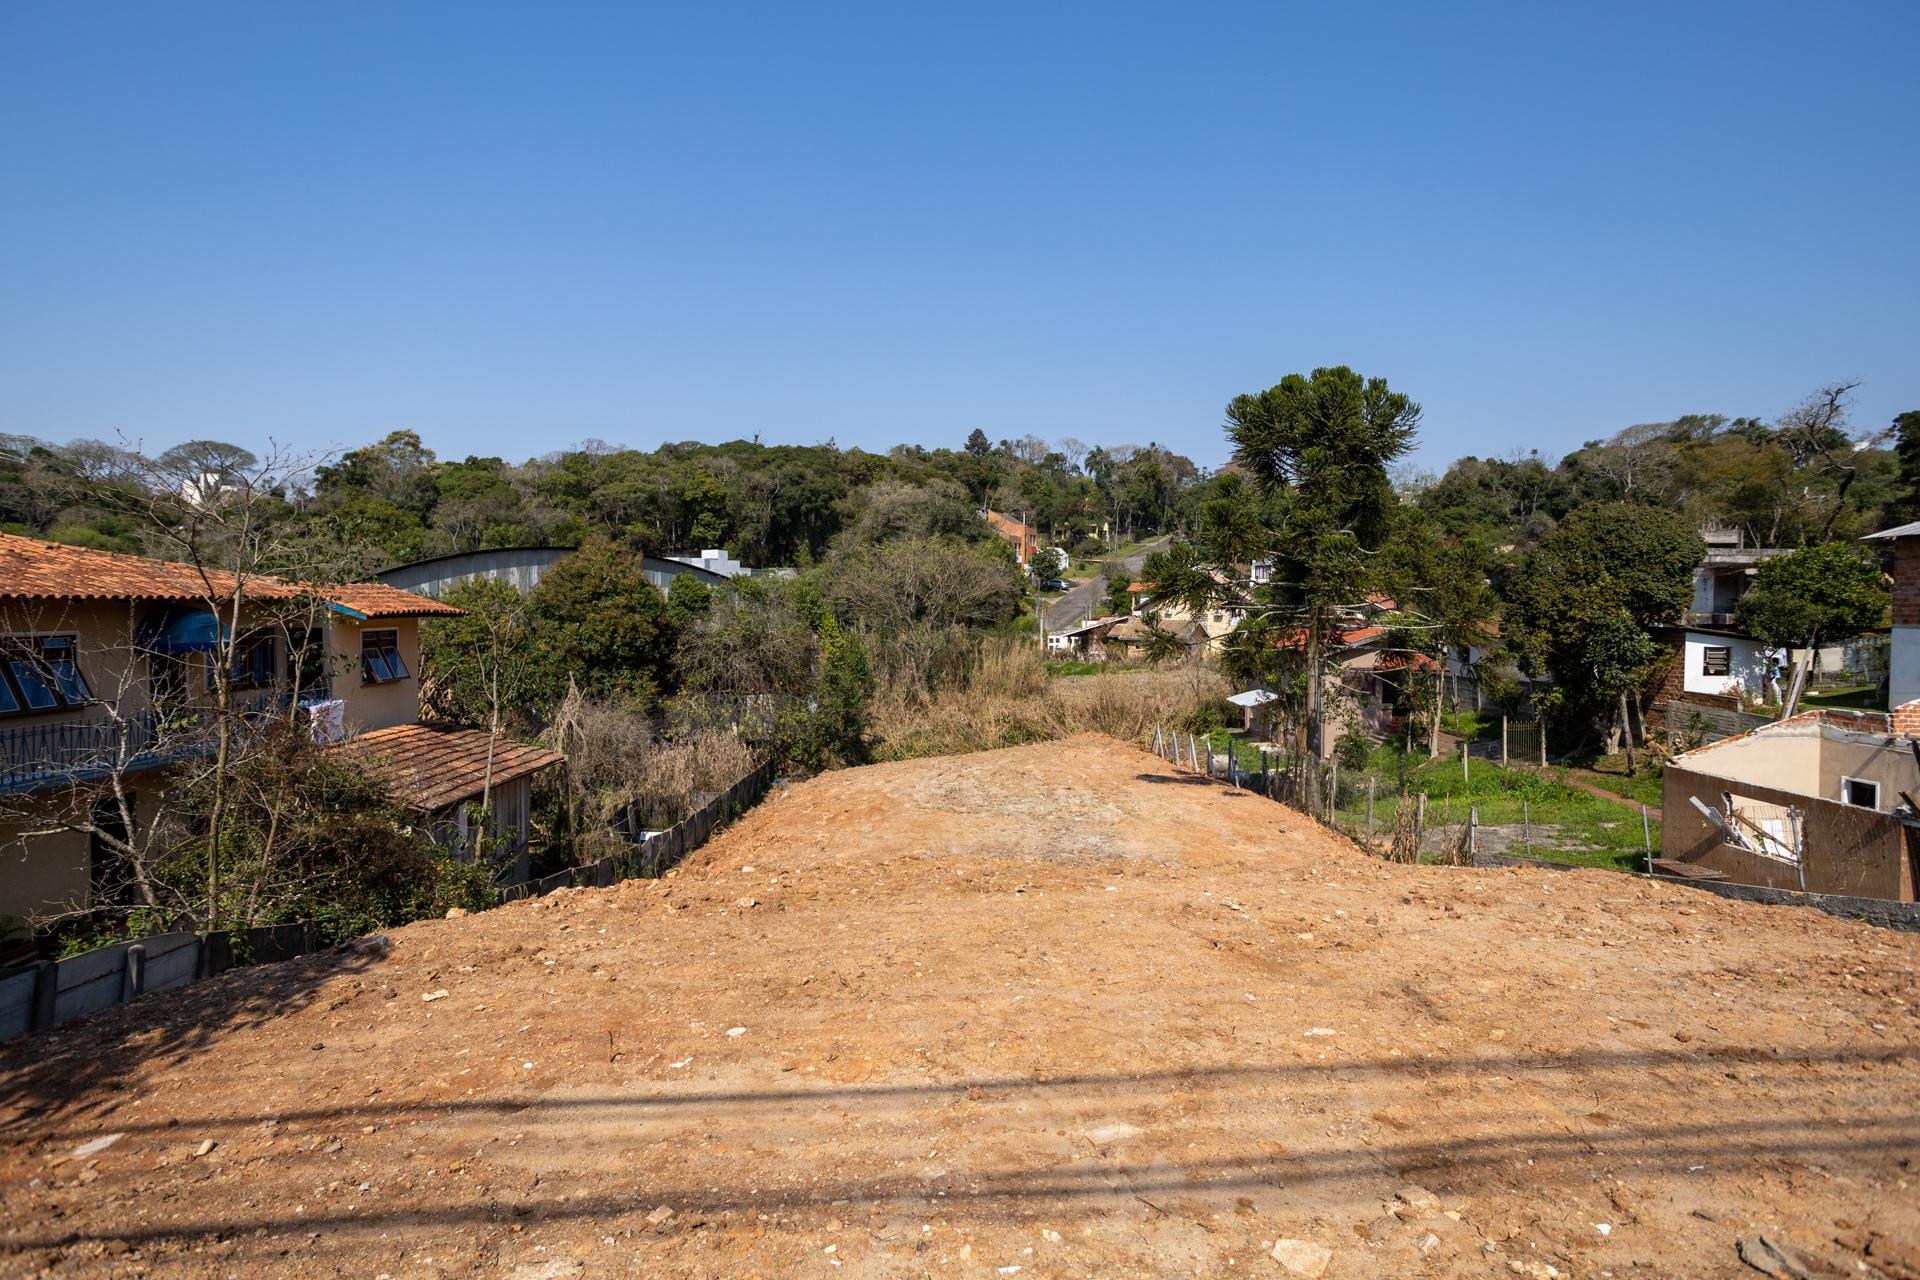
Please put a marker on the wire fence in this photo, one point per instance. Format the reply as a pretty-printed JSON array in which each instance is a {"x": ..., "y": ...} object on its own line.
[{"x": 1390, "y": 814}]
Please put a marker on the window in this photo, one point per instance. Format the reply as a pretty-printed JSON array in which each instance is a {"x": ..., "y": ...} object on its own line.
[
  {"x": 1859, "y": 791},
  {"x": 1716, "y": 660},
  {"x": 41, "y": 673},
  {"x": 380, "y": 659},
  {"x": 253, "y": 664}
]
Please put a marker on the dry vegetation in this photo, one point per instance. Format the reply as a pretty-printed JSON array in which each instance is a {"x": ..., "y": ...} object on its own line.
[
  {"x": 616, "y": 765},
  {"x": 1004, "y": 697}
]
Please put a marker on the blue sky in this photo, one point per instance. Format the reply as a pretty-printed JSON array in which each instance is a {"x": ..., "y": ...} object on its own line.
[{"x": 515, "y": 227}]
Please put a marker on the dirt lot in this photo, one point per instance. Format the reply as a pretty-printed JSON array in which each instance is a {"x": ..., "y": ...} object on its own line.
[{"x": 1042, "y": 1012}]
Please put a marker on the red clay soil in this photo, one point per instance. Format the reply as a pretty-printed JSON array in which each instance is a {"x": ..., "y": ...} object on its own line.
[{"x": 1053, "y": 1011}]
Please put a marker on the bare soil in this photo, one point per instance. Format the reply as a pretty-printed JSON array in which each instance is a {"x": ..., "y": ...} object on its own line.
[{"x": 1058, "y": 1009}]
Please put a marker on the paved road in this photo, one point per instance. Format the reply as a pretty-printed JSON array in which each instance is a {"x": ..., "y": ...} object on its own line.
[{"x": 1072, "y": 608}]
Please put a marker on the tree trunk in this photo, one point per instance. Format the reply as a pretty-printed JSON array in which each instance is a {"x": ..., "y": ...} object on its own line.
[
  {"x": 1439, "y": 697},
  {"x": 1626, "y": 728},
  {"x": 1316, "y": 710},
  {"x": 223, "y": 754}
]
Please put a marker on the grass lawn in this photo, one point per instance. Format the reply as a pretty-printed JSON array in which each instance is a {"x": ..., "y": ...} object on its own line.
[
  {"x": 1568, "y": 825},
  {"x": 1643, "y": 787},
  {"x": 1863, "y": 697},
  {"x": 1245, "y": 754}
]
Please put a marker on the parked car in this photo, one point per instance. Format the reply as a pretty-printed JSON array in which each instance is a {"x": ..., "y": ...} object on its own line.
[{"x": 1055, "y": 584}]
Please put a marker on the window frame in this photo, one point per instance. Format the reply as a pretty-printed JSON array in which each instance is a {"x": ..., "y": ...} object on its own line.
[
  {"x": 1726, "y": 659},
  {"x": 249, "y": 672},
  {"x": 387, "y": 654},
  {"x": 69, "y": 691},
  {"x": 1848, "y": 782}
]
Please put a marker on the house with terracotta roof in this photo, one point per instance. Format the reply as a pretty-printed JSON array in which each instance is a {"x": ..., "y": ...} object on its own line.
[
  {"x": 108, "y": 677},
  {"x": 1023, "y": 537},
  {"x": 1214, "y": 623}
]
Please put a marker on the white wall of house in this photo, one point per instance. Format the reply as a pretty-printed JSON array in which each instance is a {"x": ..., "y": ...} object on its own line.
[
  {"x": 1746, "y": 664},
  {"x": 1903, "y": 668}
]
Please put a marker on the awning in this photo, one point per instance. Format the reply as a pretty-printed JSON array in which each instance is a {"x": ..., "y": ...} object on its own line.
[
  {"x": 182, "y": 630},
  {"x": 1254, "y": 698}
]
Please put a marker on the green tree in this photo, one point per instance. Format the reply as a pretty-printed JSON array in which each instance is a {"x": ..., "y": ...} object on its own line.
[
  {"x": 1906, "y": 448},
  {"x": 1606, "y": 569},
  {"x": 1321, "y": 444},
  {"x": 1811, "y": 597},
  {"x": 487, "y": 666},
  {"x": 604, "y": 624}
]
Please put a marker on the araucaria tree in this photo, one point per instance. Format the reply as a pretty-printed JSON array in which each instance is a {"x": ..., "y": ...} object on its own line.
[{"x": 1317, "y": 448}]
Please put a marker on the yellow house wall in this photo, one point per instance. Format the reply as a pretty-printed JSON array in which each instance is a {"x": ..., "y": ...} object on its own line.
[
  {"x": 40, "y": 875},
  {"x": 45, "y": 874},
  {"x": 376, "y": 706}
]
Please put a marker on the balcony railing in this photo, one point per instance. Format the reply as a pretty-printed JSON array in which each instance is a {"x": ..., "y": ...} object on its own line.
[
  {"x": 1697, "y": 618},
  {"x": 34, "y": 756}
]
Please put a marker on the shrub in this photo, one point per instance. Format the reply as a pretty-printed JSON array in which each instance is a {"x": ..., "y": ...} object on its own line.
[{"x": 1353, "y": 750}]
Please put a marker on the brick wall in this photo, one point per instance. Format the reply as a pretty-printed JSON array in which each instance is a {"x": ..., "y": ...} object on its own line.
[{"x": 1906, "y": 582}]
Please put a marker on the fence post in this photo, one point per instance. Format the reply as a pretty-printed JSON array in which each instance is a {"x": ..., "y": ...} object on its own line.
[
  {"x": 1646, "y": 837},
  {"x": 135, "y": 982},
  {"x": 46, "y": 989},
  {"x": 1333, "y": 794},
  {"x": 1209, "y": 755},
  {"x": 1466, "y": 770},
  {"x": 1473, "y": 831},
  {"x": 1540, "y": 732},
  {"x": 1419, "y": 823},
  {"x": 1503, "y": 741},
  {"x": 1526, "y": 826},
  {"x": 1370, "y": 782},
  {"x": 1193, "y": 752}
]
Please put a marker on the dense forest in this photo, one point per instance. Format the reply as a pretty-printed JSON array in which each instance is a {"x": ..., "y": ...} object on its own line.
[{"x": 771, "y": 505}]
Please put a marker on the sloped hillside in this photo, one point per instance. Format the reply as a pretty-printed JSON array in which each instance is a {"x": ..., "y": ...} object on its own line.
[{"x": 1051, "y": 1011}]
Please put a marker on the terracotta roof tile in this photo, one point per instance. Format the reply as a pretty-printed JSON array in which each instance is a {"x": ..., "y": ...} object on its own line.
[
  {"x": 430, "y": 766},
  {"x": 34, "y": 569},
  {"x": 378, "y": 600}
]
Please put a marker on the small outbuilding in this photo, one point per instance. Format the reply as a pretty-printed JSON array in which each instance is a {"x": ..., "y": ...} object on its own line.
[{"x": 442, "y": 771}]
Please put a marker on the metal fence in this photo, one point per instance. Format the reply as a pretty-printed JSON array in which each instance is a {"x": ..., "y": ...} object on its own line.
[{"x": 46, "y": 994}]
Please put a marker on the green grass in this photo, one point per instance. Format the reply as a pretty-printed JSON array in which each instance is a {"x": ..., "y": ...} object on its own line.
[
  {"x": 1643, "y": 787},
  {"x": 1591, "y": 831},
  {"x": 1075, "y": 667},
  {"x": 1245, "y": 754},
  {"x": 1864, "y": 697}
]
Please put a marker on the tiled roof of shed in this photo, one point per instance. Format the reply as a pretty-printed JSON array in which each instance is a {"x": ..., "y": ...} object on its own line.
[{"x": 430, "y": 766}]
